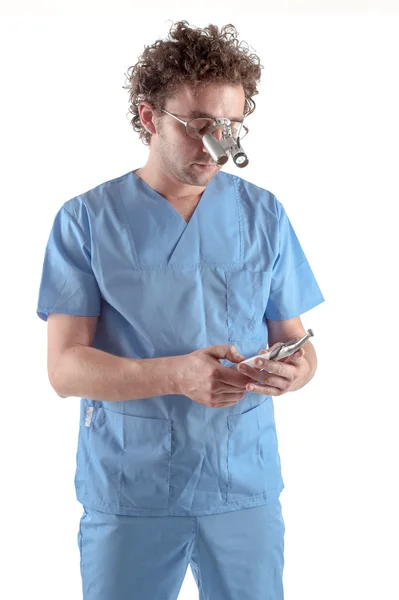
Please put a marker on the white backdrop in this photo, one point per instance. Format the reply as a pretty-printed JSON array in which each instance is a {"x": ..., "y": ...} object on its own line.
[{"x": 324, "y": 140}]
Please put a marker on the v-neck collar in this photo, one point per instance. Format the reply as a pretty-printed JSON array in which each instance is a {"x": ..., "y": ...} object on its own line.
[
  {"x": 169, "y": 205},
  {"x": 160, "y": 235}
]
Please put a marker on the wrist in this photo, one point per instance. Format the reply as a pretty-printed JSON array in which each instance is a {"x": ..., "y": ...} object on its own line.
[{"x": 171, "y": 374}]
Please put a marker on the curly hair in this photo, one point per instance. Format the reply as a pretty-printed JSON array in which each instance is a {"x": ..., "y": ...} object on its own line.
[{"x": 191, "y": 56}]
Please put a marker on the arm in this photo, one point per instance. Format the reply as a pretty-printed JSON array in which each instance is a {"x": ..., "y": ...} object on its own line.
[
  {"x": 283, "y": 331},
  {"x": 75, "y": 368}
]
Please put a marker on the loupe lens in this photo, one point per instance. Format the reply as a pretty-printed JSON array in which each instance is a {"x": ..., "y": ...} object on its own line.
[{"x": 240, "y": 159}]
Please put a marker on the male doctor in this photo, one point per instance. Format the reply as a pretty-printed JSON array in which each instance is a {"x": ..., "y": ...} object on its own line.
[{"x": 152, "y": 284}]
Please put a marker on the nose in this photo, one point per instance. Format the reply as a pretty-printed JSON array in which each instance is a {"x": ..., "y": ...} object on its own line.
[{"x": 218, "y": 134}]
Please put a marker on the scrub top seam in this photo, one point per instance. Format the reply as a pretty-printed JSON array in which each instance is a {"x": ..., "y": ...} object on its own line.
[
  {"x": 285, "y": 282},
  {"x": 75, "y": 313},
  {"x": 75, "y": 221},
  {"x": 70, "y": 268},
  {"x": 197, "y": 266},
  {"x": 286, "y": 316},
  {"x": 197, "y": 552},
  {"x": 232, "y": 505},
  {"x": 238, "y": 204},
  {"x": 129, "y": 231}
]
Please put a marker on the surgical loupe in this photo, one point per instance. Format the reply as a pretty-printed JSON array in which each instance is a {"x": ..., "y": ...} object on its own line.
[{"x": 218, "y": 148}]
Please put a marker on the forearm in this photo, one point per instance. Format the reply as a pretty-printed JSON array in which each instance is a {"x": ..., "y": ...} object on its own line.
[
  {"x": 311, "y": 360},
  {"x": 90, "y": 373}
]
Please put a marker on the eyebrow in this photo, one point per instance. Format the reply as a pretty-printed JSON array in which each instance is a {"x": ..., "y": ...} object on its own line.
[{"x": 198, "y": 113}]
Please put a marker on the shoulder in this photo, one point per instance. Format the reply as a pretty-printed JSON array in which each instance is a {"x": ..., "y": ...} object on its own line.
[
  {"x": 251, "y": 193},
  {"x": 259, "y": 201},
  {"x": 83, "y": 207}
]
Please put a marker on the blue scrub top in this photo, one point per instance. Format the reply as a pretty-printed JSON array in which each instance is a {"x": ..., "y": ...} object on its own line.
[{"x": 162, "y": 287}]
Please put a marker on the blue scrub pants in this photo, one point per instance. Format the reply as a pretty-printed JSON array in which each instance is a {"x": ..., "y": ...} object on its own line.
[{"x": 236, "y": 555}]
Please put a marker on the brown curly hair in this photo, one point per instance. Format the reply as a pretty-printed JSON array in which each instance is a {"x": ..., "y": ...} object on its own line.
[{"x": 194, "y": 56}]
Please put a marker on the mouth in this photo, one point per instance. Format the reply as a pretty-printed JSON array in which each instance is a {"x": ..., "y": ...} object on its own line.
[{"x": 204, "y": 166}]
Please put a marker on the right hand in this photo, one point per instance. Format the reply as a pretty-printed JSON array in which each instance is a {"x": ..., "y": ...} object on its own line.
[{"x": 202, "y": 378}]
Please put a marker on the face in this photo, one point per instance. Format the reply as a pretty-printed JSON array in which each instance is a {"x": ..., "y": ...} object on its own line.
[{"x": 182, "y": 156}]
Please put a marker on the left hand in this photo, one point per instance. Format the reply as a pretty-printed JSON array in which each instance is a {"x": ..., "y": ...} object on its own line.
[{"x": 280, "y": 377}]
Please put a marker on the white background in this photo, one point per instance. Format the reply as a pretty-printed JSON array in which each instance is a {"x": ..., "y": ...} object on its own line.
[{"x": 324, "y": 140}]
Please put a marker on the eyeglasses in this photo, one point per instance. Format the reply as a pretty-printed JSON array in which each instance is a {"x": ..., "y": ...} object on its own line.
[{"x": 200, "y": 126}]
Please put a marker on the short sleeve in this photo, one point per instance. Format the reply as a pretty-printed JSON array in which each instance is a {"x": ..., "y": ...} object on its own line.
[
  {"x": 294, "y": 289},
  {"x": 68, "y": 284}
]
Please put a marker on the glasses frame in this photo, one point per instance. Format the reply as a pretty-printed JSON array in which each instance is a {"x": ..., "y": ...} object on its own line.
[{"x": 223, "y": 121}]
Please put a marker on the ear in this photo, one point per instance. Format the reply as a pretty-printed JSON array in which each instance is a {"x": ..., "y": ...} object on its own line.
[{"x": 147, "y": 116}]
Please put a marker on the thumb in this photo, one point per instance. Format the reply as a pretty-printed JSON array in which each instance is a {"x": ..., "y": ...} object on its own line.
[
  {"x": 229, "y": 352},
  {"x": 296, "y": 357},
  {"x": 268, "y": 351}
]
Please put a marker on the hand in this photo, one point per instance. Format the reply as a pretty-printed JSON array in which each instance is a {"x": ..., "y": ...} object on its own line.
[
  {"x": 201, "y": 377},
  {"x": 280, "y": 377}
]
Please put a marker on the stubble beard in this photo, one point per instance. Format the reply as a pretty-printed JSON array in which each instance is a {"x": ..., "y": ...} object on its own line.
[{"x": 185, "y": 174}]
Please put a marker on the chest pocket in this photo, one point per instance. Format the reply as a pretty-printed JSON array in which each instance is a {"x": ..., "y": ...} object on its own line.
[{"x": 247, "y": 295}]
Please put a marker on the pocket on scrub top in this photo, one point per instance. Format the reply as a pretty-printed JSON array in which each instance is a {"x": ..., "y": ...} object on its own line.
[
  {"x": 128, "y": 460},
  {"x": 247, "y": 294},
  {"x": 253, "y": 462}
]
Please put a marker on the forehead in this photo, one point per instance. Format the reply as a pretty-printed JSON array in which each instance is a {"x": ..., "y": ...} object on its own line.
[{"x": 215, "y": 100}]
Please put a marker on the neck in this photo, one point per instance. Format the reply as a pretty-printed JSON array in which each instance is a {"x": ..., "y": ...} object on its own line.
[{"x": 168, "y": 186}]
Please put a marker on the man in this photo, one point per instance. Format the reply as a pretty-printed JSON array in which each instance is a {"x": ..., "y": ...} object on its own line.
[{"x": 151, "y": 284}]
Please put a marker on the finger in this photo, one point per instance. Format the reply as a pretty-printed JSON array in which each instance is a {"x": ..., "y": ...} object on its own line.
[
  {"x": 228, "y": 400},
  {"x": 231, "y": 378},
  {"x": 230, "y": 384},
  {"x": 277, "y": 367},
  {"x": 235, "y": 357},
  {"x": 220, "y": 352},
  {"x": 262, "y": 351},
  {"x": 272, "y": 366},
  {"x": 295, "y": 358},
  {"x": 254, "y": 373},
  {"x": 264, "y": 378},
  {"x": 232, "y": 389},
  {"x": 266, "y": 390}
]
